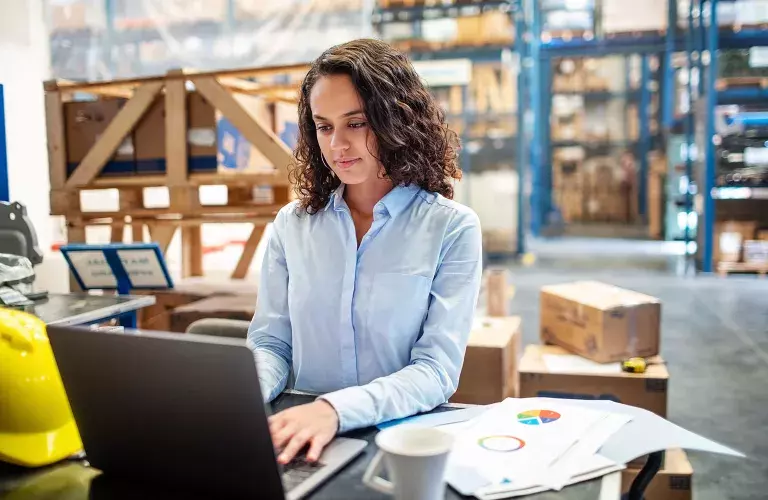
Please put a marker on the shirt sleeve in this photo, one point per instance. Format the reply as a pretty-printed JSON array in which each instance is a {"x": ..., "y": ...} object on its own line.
[
  {"x": 432, "y": 374},
  {"x": 269, "y": 334}
]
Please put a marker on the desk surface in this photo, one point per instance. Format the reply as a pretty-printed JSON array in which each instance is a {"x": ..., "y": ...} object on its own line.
[
  {"x": 75, "y": 481},
  {"x": 82, "y": 308}
]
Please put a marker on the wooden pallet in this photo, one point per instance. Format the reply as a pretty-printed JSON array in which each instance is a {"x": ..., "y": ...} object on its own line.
[
  {"x": 726, "y": 268},
  {"x": 185, "y": 212},
  {"x": 741, "y": 82}
]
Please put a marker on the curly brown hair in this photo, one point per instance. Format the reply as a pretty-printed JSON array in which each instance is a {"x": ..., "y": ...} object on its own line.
[{"x": 415, "y": 145}]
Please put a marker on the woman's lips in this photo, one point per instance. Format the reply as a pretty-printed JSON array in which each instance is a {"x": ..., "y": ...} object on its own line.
[{"x": 346, "y": 163}]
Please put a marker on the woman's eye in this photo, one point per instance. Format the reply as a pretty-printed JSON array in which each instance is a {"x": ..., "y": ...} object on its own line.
[
  {"x": 357, "y": 125},
  {"x": 323, "y": 128}
]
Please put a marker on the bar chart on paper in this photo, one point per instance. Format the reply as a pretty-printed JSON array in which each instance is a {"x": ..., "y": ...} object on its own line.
[{"x": 537, "y": 417}]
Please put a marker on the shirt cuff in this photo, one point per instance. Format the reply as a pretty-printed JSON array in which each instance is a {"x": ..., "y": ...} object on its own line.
[{"x": 350, "y": 405}]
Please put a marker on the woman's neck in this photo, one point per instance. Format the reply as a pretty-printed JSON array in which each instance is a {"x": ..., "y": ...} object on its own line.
[{"x": 361, "y": 198}]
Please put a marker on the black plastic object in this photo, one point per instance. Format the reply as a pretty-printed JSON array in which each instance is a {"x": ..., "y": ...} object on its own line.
[
  {"x": 648, "y": 472},
  {"x": 17, "y": 236}
]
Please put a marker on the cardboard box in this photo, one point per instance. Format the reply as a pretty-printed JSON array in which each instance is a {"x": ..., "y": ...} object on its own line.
[
  {"x": 84, "y": 123},
  {"x": 730, "y": 237},
  {"x": 538, "y": 379},
  {"x": 489, "y": 373},
  {"x": 673, "y": 482},
  {"x": 756, "y": 252},
  {"x": 599, "y": 321},
  {"x": 762, "y": 234},
  {"x": 214, "y": 144}
]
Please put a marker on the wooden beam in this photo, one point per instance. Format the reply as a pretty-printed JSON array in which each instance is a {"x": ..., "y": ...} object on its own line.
[
  {"x": 249, "y": 250},
  {"x": 191, "y": 251},
  {"x": 94, "y": 87},
  {"x": 162, "y": 235},
  {"x": 262, "y": 138},
  {"x": 192, "y": 221},
  {"x": 54, "y": 122},
  {"x": 114, "y": 134},
  {"x": 176, "y": 132},
  {"x": 115, "y": 91},
  {"x": 202, "y": 210},
  {"x": 116, "y": 233},
  {"x": 194, "y": 179}
]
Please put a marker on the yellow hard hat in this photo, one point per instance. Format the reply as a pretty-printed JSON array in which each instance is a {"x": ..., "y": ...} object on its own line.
[{"x": 36, "y": 423}]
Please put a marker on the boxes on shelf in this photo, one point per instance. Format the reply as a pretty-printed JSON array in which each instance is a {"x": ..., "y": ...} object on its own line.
[
  {"x": 756, "y": 252},
  {"x": 489, "y": 373},
  {"x": 551, "y": 371},
  {"x": 492, "y": 89},
  {"x": 484, "y": 29},
  {"x": 730, "y": 237},
  {"x": 762, "y": 234},
  {"x": 599, "y": 321},
  {"x": 84, "y": 123},
  {"x": 568, "y": 76},
  {"x": 570, "y": 200},
  {"x": 620, "y": 16},
  {"x": 673, "y": 482},
  {"x": 214, "y": 143}
]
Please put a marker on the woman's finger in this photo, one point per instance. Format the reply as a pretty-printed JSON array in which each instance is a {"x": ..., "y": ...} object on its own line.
[
  {"x": 282, "y": 436},
  {"x": 318, "y": 442},
  {"x": 297, "y": 442}
]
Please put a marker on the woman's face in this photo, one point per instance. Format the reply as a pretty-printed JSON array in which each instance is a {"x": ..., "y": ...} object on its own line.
[{"x": 345, "y": 138}]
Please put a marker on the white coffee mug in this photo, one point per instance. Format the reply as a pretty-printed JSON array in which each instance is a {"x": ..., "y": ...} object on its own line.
[{"x": 415, "y": 458}]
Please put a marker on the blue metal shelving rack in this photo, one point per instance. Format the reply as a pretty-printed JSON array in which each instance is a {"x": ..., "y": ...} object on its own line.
[
  {"x": 484, "y": 53},
  {"x": 706, "y": 38},
  {"x": 541, "y": 52}
]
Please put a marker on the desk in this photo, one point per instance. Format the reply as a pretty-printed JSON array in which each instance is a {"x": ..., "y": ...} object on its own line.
[
  {"x": 73, "y": 480},
  {"x": 83, "y": 309}
]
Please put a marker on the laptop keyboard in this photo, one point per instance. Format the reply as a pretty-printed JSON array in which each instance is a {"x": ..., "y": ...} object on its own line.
[{"x": 297, "y": 471}]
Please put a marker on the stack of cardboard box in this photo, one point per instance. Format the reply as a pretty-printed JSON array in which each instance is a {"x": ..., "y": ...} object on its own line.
[{"x": 587, "y": 329}]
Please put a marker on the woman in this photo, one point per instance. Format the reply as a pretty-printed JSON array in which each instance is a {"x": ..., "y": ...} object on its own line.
[{"x": 370, "y": 279}]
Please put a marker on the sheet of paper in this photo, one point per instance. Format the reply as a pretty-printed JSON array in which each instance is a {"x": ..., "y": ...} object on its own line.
[
  {"x": 516, "y": 442},
  {"x": 596, "y": 466},
  {"x": 571, "y": 464},
  {"x": 571, "y": 363},
  {"x": 646, "y": 433},
  {"x": 441, "y": 418}
]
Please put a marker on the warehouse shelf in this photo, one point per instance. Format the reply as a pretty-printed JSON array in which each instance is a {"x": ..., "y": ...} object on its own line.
[
  {"x": 417, "y": 13},
  {"x": 477, "y": 53},
  {"x": 742, "y": 96},
  {"x": 593, "y": 144},
  {"x": 705, "y": 36},
  {"x": 602, "y": 95},
  {"x": 545, "y": 46},
  {"x": 739, "y": 193}
]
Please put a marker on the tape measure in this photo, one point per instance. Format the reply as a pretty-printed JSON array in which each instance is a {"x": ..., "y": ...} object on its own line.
[{"x": 634, "y": 365}]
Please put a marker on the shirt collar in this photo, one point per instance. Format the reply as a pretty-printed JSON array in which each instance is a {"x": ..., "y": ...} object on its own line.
[
  {"x": 398, "y": 199},
  {"x": 393, "y": 202},
  {"x": 336, "y": 199}
]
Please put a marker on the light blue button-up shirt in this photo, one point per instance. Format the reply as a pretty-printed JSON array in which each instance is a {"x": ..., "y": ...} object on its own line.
[{"x": 380, "y": 330}]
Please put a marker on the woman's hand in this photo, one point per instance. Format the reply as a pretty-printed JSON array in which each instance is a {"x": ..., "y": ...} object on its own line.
[{"x": 314, "y": 423}]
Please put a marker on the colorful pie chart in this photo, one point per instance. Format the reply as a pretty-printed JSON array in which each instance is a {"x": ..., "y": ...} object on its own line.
[
  {"x": 537, "y": 417},
  {"x": 501, "y": 444}
]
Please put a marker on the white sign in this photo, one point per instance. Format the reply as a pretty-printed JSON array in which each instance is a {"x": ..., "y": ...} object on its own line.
[
  {"x": 143, "y": 268},
  {"x": 445, "y": 73},
  {"x": 93, "y": 269},
  {"x": 758, "y": 57}
]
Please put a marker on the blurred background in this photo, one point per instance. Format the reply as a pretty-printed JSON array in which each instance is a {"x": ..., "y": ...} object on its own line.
[{"x": 631, "y": 130}]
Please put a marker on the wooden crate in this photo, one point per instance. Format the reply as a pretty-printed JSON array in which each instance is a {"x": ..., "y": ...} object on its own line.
[{"x": 224, "y": 90}]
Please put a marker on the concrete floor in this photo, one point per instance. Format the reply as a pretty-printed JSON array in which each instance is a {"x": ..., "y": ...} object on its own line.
[{"x": 714, "y": 339}]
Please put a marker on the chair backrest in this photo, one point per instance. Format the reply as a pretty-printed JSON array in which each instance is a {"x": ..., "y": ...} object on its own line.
[{"x": 17, "y": 235}]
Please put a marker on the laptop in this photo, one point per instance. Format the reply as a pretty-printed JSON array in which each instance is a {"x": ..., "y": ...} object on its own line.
[{"x": 183, "y": 411}]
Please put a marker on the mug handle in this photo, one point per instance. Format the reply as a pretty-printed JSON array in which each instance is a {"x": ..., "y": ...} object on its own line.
[{"x": 371, "y": 477}]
